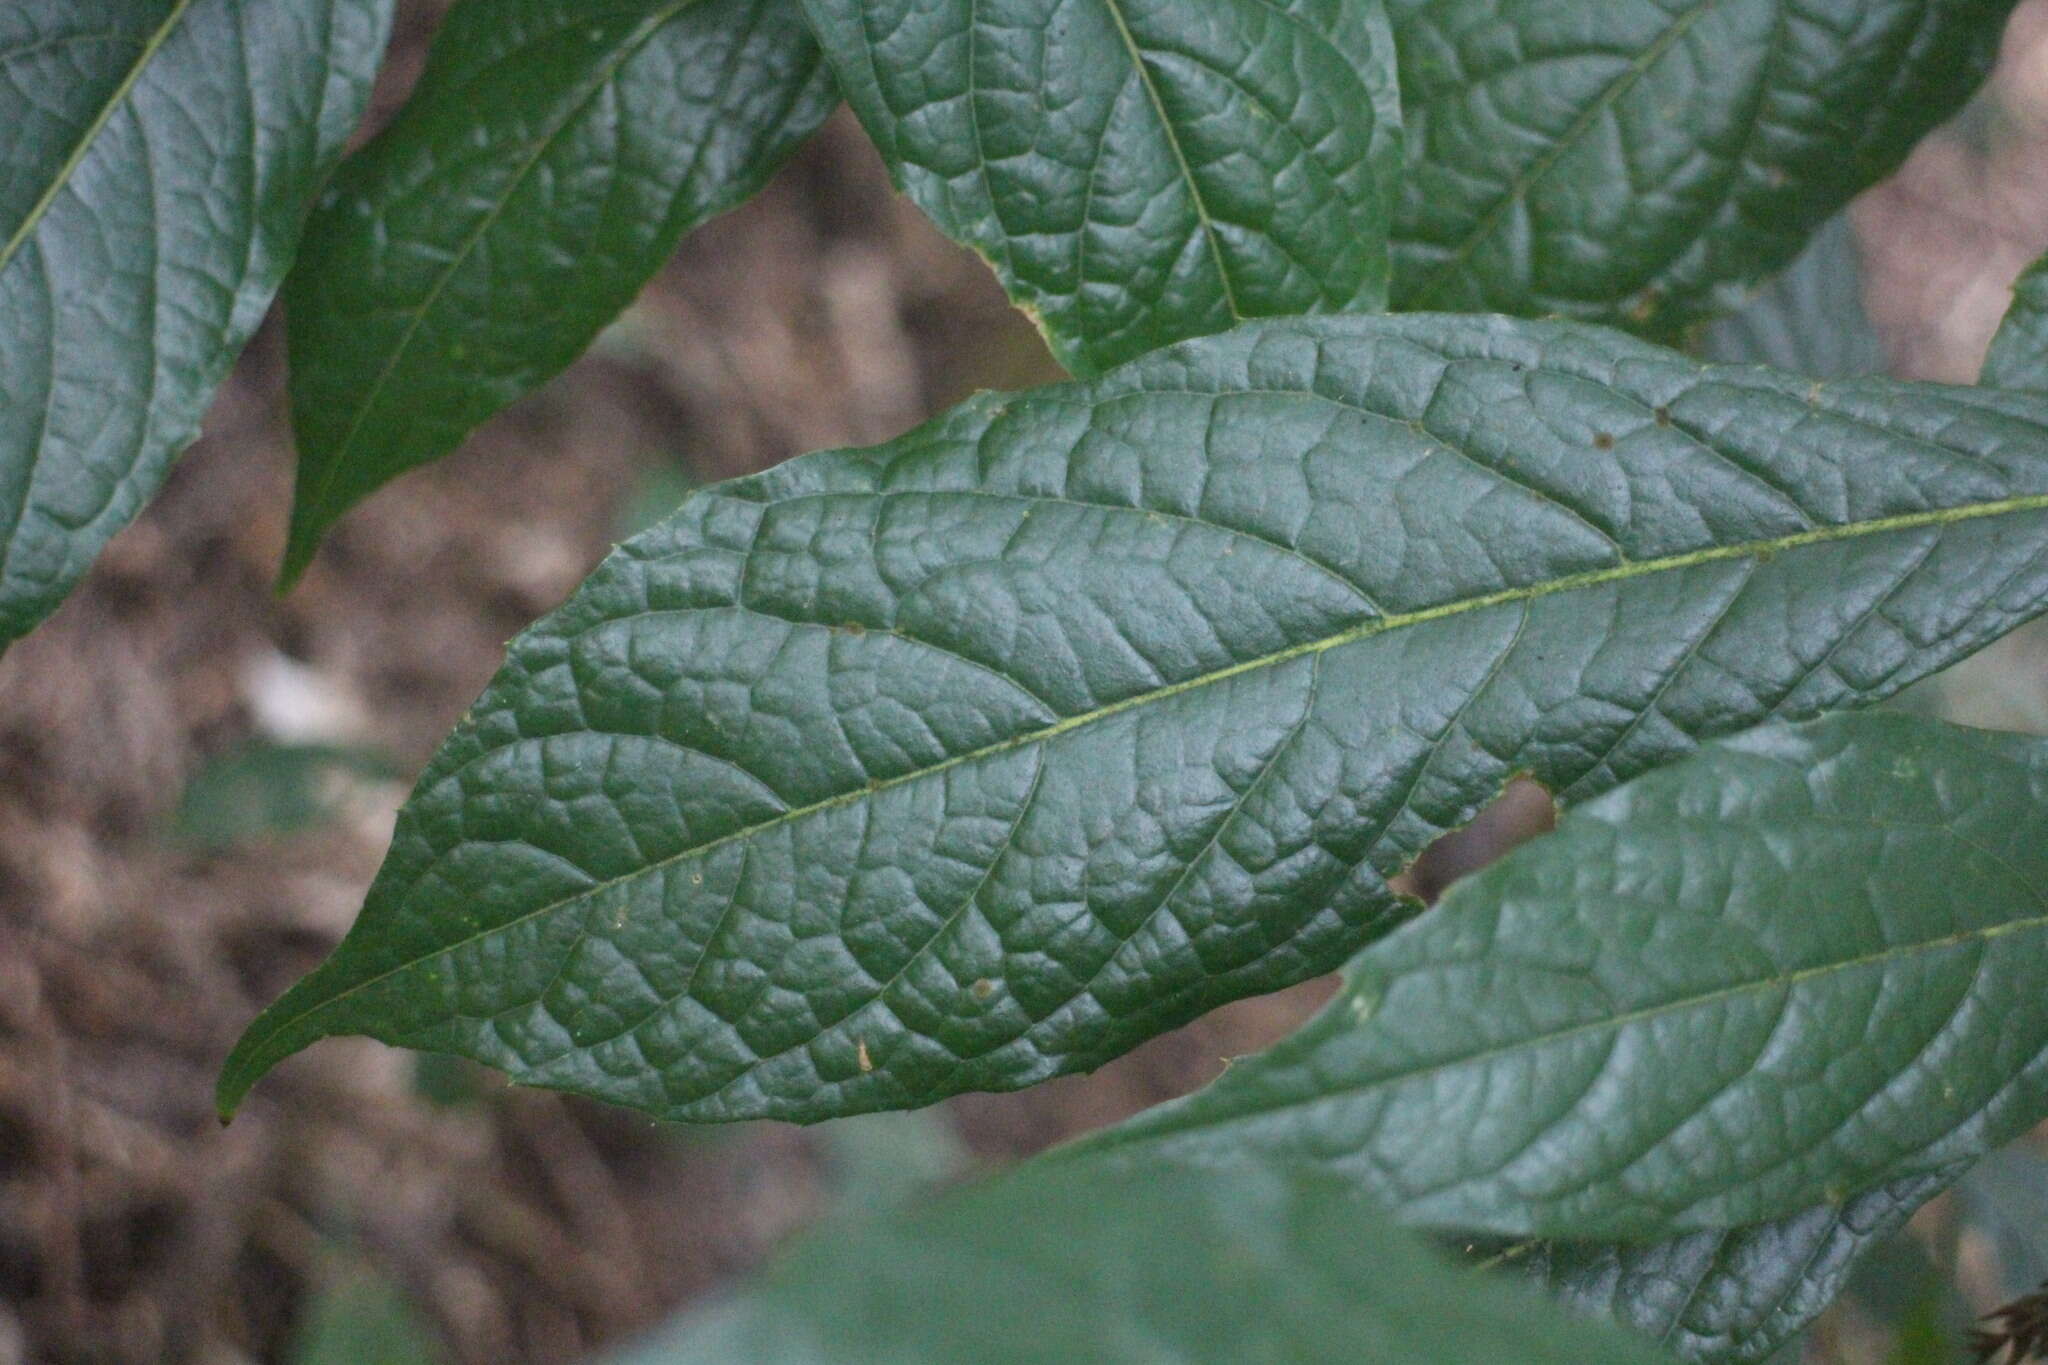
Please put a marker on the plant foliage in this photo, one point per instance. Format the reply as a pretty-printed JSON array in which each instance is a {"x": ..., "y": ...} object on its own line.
[
  {"x": 986, "y": 755},
  {"x": 981, "y": 756}
]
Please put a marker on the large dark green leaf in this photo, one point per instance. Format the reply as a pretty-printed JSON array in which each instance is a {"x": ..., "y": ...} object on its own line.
[
  {"x": 2019, "y": 353},
  {"x": 552, "y": 155},
  {"x": 1737, "y": 1295},
  {"x": 1636, "y": 161},
  {"x": 982, "y": 756},
  {"x": 1802, "y": 963},
  {"x": 1139, "y": 171},
  {"x": 1052, "y": 1267},
  {"x": 158, "y": 160}
]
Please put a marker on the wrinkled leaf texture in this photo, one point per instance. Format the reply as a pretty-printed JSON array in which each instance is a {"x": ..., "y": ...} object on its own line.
[
  {"x": 980, "y": 757},
  {"x": 1637, "y": 162},
  {"x": 1802, "y": 963},
  {"x": 552, "y": 155},
  {"x": 158, "y": 161},
  {"x": 1048, "y": 1267},
  {"x": 1139, "y": 171}
]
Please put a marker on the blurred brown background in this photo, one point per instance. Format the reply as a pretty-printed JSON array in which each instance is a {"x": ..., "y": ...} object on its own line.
[{"x": 197, "y": 781}]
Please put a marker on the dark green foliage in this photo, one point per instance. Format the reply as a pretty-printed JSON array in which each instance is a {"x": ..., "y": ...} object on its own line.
[
  {"x": 1800, "y": 964},
  {"x": 2019, "y": 353},
  {"x": 1050, "y": 1267},
  {"x": 553, "y": 154},
  {"x": 985, "y": 755},
  {"x": 1636, "y": 162},
  {"x": 1139, "y": 171},
  {"x": 158, "y": 161}
]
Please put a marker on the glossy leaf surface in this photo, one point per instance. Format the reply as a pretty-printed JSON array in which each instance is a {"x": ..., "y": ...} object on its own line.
[
  {"x": 1049, "y": 1267},
  {"x": 554, "y": 152},
  {"x": 1139, "y": 171},
  {"x": 1737, "y": 1295},
  {"x": 1803, "y": 963},
  {"x": 982, "y": 756},
  {"x": 158, "y": 160},
  {"x": 1636, "y": 161},
  {"x": 2019, "y": 353}
]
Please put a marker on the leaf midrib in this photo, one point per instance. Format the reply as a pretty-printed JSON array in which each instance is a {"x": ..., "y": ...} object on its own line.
[
  {"x": 119, "y": 96},
  {"x": 1206, "y": 223},
  {"x": 1622, "y": 572}
]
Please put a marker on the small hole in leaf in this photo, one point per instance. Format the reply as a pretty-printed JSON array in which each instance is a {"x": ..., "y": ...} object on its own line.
[{"x": 1603, "y": 441}]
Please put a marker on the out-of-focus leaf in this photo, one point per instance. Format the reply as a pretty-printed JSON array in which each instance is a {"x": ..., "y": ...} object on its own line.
[
  {"x": 360, "y": 1318},
  {"x": 1809, "y": 320},
  {"x": 881, "y": 1161},
  {"x": 262, "y": 790},
  {"x": 1054, "y": 1267},
  {"x": 2019, "y": 353},
  {"x": 2004, "y": 1199}
]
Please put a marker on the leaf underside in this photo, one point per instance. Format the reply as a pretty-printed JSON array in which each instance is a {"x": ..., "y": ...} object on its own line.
[
  {"x": 1048, "y": 1267},
  {"x": 980, "y": 757},
  {"x": 1803, "y": 962},
  {"x": 1637, "y": 161},
  {"x": 158, "y": 162},
  {"x": 551, "y": 157},
  {"x": 1139, "y": 171}
]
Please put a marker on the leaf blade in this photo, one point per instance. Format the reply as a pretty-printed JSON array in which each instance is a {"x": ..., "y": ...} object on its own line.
[
  {"x": 1091, "y": 665},
  {"x": 127, "y": 305},
  {"x": 1818, "y": 931},
  {"x": 1062, "y": 1264},
  {"x": 1811, "y": 319},
  {"x": 548, "y": 164},
  {"x": 1635, "y": 164},
  {"x": 1737, "y": 1295},
  {"x": 2019, "y": 352},
  {"x": 1137, "y": 171}
]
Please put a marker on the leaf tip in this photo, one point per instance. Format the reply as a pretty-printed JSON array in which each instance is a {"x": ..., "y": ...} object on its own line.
[{"x": 302, "y": 542}]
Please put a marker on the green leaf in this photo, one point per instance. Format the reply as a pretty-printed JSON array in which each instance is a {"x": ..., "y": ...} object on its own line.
[
  {"x": 2004, "y": 1200},
  {"x": 1139, "y": 171},
  {"x": 1802, "y": 963},
  {"x": 1736, "y": 1295},
  {"x": 262, "y": 789},
  {"x": 1809, "y": 320},
  {"x": 2019, "y": 353},
  {"x": 1064, "y": 1265},
  {"x": 982, "y": 756},
  {"x": 1637, "y": 161},
  {"x": 159, "y": 159},
  {"x": 552, "y": 156},
  {"x": 358, "y": 1317}
]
